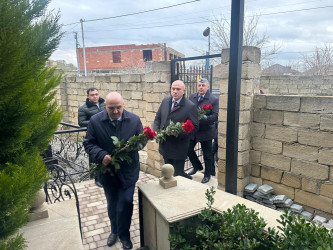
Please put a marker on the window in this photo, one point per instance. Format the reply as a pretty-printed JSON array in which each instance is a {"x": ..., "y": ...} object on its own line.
[
  {"x": 147, "y": 55},
  {"x": 116, "y": 56}
]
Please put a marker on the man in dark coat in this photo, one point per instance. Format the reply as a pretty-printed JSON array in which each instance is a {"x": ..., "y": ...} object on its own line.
[
  {"x": 119, "y": 188},
  {"x": 176, "y": 108},
  {"x": 93, "y": 105},
  {"x": 206, "y": 132}
]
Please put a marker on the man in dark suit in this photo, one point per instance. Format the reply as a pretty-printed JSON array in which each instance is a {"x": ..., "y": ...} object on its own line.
[
  {"x": 119, "y": 188},
  {"x": 206, "y": 132},
  {"x": 176, "y": 108}
]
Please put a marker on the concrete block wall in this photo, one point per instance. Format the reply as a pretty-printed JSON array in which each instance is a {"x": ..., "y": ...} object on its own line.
[
  {"x": 249, "y": 85},
  {"x": 297, "y": 85},
  {"x": 292, "y": 148},
  {"x": 142, "y": 95}
]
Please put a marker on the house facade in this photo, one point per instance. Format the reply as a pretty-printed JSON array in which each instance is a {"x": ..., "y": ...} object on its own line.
[{"x": 117, "y": 58}]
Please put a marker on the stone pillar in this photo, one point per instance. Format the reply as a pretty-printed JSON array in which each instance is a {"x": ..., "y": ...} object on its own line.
[
  {"x": 38, "y": 209},
  {"x": 156, "y": 83},
  {"x": 249, "y": 85}
]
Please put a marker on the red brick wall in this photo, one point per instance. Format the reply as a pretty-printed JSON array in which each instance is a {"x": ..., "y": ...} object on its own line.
[{"x": 100, "y": 58}]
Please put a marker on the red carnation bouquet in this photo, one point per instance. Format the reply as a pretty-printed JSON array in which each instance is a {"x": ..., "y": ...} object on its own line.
[
  {"x": 137, "y": 142},
  {"x": 121, "y": 150},
  {"x": 174, "y": 129},
  {"x": 202, "y": 112}
]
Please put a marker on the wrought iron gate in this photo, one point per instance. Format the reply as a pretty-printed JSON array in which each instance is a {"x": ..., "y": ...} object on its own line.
[{"x": 191, "y": 74}]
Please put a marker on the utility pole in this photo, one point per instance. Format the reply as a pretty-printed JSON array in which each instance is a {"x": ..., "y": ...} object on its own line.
[
  {"x": 165, "y": 52},
  {"x": 84, "y": 49},
  {"x": 77, "y": 54}
]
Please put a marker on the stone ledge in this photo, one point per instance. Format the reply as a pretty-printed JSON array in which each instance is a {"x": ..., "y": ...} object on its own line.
[{"x": 59, "y": 231}]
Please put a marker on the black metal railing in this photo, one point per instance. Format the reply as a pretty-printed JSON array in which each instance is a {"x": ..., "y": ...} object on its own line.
[
  {"x": 67, "y": 162},
  {"x": 67, "y": 148},
  {"x": 198, "y": 151}
]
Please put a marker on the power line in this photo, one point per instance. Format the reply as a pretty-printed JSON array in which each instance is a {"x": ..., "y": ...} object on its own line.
[
  {"x": 288, "y": 11},
  {"x": 149, "y": 27},
  {"x": 170, "y": 25},
  {"x": 135, "y": 13}
]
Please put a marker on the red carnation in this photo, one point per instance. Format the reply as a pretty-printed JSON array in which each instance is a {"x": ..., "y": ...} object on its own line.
[
  {"x": 205, "y": 107},
  {"x": 188, "y": 126},
  {"x": 149, "y": 133}
]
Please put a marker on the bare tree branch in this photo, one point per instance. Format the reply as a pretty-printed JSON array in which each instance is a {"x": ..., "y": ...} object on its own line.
[
  {"x": 320, "y": 62},
  {"x": 221, "y": 39}
]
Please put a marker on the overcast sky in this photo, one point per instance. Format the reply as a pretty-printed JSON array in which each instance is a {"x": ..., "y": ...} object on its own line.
[{"x": 298, "y": 26}]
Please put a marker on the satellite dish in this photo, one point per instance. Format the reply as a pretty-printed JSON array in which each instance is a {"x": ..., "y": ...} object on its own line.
[{"x": 206, "y": 32}]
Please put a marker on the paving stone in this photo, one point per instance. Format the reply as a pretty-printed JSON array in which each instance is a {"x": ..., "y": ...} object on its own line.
[
  {"x": 308, "y": 216},
  {"x": 251, "y": 188},
  {"x": 260, "y": 202},
  {"x": 264, "y": 196},
  {"x": 250, "y": 198},
  {"x": 279, "y": 199},
  {"x": 296, "y": 208},
  {"x": 319, "y": 219},
  {"x": 259, "y": 196},
  {"x": 287, "y": 203},
  {"x": 328, "y": 226},
  {"x": 269, "y": 201},
  {"x": 330, "y": 222},
  {"x": 266, "y": 189}
]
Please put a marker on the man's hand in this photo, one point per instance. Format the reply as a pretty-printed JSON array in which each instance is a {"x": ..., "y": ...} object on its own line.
[{"x": 106, "y": 160}]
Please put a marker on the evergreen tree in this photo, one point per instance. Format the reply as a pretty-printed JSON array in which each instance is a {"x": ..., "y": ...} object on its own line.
[{"x": 28, "y": 113}]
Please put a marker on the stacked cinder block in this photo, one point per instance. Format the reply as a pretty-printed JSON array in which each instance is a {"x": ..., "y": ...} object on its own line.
[{"x": 265, "y": 196}]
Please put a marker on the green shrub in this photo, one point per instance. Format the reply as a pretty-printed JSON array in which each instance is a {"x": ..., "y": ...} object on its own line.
[
  {"x": 242, "y": 228},
  {"x": 28, "y": 114},
  {"x": 297, "y": 233}
]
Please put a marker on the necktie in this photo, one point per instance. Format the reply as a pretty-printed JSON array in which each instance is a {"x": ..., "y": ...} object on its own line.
[
  {"x": 174, "y": 103},
  {"x": 115, "y": 123},
  {"x": 200, "y": 98}
]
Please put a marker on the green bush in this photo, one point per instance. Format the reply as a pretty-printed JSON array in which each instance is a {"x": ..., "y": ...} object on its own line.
[
  {"x": 297, "y": 233},
  {"x": 242, "y": 228},
  {"x": 28, "y": 114}
]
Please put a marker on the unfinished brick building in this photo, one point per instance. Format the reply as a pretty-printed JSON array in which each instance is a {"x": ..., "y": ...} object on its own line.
[{"x": 117, "y": 58}]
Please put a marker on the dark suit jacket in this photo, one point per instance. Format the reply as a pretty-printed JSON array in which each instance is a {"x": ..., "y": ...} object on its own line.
[
  {"x": 98, "y": 143},
  {"x": 175, "y": 147},
  {"x": 207, "y": 128}
]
